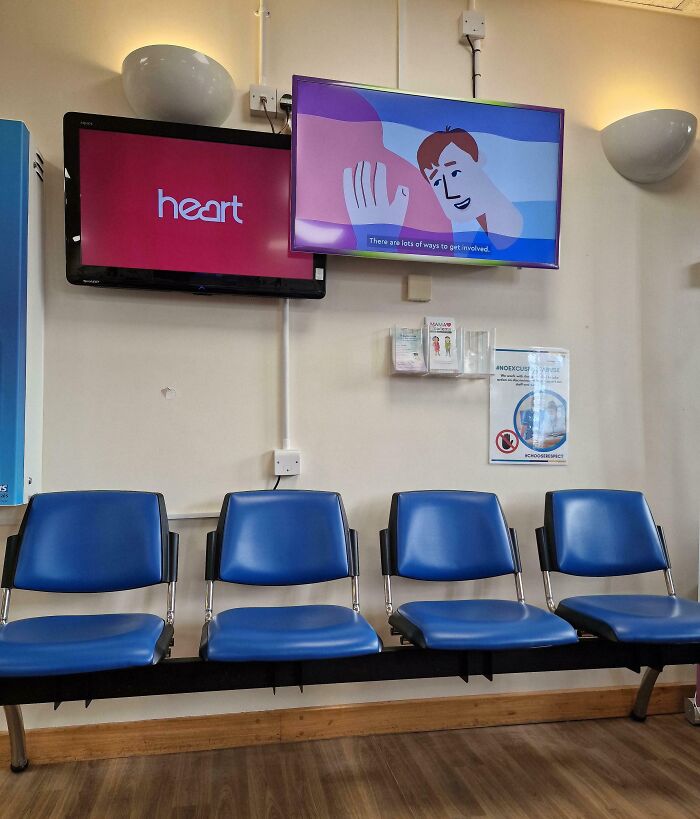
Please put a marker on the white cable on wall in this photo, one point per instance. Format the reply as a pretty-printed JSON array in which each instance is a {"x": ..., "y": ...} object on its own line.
[
  {"x": 263, "y": 14},
  {"x": 286, "y": 399}
]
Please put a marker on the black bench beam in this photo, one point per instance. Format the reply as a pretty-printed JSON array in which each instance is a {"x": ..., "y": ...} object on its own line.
[{"x": 192, "y": 675}]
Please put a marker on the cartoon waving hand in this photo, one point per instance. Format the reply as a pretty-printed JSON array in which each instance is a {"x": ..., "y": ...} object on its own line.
[{"x": 367, "y": 199}]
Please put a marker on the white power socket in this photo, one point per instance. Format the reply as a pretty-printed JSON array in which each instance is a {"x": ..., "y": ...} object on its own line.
[
  {"x": 257, "y": 94},
  {"x": 472, "y": 24},
  {"x": 287, "y": 462}
]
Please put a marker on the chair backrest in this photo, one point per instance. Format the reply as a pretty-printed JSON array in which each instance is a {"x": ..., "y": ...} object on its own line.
[
  {"x": 449, "y": 535},
  {"x": 602, "y": 533},
  {"x": 282, "y": 538},
  {"x": 95, "y": 541}
]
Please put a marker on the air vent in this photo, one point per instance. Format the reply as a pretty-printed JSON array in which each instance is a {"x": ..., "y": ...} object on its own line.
[{"x": 39, "y": 165}]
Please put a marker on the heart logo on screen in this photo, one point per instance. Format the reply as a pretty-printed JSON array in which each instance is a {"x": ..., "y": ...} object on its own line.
[{"x": 191, "y": 209}]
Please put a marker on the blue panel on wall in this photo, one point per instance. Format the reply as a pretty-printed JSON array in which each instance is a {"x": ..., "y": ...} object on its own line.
[{"x": 14, "y": 193}]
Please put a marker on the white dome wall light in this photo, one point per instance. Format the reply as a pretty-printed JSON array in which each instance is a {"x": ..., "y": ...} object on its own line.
[
  {"x": 177, "y": 84},
  {"x": 649, "y": 146}
]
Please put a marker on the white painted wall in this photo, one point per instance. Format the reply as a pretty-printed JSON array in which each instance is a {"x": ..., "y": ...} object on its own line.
[{"x": 625, "y": 301}]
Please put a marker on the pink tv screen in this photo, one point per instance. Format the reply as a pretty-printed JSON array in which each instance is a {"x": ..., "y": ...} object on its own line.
[{"x": 192, "y": 210}]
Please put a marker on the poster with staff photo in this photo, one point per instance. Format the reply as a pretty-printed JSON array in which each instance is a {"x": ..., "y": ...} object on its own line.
[{"x": 529, "y": 417}]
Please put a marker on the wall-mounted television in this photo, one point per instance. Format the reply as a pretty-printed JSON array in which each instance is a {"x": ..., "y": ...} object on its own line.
[
  {"x": 164, "y": 206},
  {"x": 385, "y": 173}
]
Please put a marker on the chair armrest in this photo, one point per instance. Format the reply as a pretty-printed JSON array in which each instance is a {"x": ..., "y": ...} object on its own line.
[
  {"x": 210, "y": 565},
  {"x": 10, "y": 565},
  {"x": 385, "y": 553},
  {"x": 516, "y": 551},
  {"x": 354, "y": 553},
  {"x": 173, "y": 552},
  {"x": 546, "y": 562},
  {"x": 662, "y": 538}
]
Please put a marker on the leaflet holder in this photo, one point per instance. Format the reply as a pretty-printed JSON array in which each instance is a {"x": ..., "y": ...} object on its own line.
[
  {"x": 478, "y": 353},
  {"x": 474, "y": 353},
  {"x": 408, "y": 351}
]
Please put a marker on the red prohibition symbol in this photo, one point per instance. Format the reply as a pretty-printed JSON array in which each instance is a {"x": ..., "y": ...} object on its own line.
[{"x": 507, "y": 441}]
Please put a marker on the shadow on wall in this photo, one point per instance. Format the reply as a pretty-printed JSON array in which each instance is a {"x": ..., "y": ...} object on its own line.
[
  {"x": 670, "y": 268},
  {"x": 694, "y": 274},
  {"x": 681, "y": 180},
  {"x": 101, "y": 87},
  {"x": 687, "y": 176}
]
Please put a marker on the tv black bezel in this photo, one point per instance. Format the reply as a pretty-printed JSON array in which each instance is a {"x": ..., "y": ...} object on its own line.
[{"x": 147, "y": 279}]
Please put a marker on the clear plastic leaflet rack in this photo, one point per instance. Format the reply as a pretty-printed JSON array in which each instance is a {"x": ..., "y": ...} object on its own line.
[{"x": 473, "y": 355}]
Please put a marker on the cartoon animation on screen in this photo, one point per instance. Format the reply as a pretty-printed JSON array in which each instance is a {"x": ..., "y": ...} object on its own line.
[{"x": 450, "y": 162}]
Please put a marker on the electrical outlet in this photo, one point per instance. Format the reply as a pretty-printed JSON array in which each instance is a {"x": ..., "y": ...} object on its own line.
[
  {"x": 257, "y": 94},
  {"x": 472, "y": 24},
  {"x": 285, "y": 103},
  {"x": 287, "y": 462}
]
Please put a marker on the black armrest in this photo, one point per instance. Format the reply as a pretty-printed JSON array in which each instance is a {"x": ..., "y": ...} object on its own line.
[
  {"x": 10, "y": 565},
  {"x": 516, "y": 551},
  {"x": 354, "y": 554},
  {"x": 210, "y": 565},
  {"x": 662, "y": 538},
  {"x": 546, "y": 562},
  {"x": 173, "y": 551},
  {"x": 385, "y": 552}
]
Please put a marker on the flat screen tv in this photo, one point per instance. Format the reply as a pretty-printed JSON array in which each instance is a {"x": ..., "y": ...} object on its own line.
[
  {"x": 163, "y": 206},
  {"x": 379, "y": 172}
]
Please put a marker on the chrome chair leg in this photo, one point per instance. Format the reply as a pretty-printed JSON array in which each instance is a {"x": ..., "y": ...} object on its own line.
[
  {"x": 18, "y": 746},
  {"x": 692, "y": 710},
  {"x": 646, "y": 688}
]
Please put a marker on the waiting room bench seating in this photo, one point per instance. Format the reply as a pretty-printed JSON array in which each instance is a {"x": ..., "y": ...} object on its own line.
[{"x": 110, "y": 541}]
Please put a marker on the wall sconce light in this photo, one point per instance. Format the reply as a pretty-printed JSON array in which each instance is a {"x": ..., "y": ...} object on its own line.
[
  {"x": 650, "y": 146},
  {"x": 177, "y": 84}
]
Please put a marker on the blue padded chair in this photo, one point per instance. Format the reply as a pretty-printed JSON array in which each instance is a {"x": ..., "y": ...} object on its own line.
[
  {"x": 606, "y": 533},
  {"x": 283, "y": 538},
  {"x": 453, "y": 535},
  {"x": 88, "y": 542}
]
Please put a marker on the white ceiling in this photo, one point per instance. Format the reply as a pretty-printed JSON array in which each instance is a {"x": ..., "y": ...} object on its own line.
[{"x": 687, "y": 7}]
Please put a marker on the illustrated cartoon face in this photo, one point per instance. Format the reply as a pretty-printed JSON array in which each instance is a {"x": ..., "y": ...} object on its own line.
[{"x": 457, "y": 182}]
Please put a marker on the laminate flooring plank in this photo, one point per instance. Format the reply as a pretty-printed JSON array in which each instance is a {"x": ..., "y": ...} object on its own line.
[{"x": 611, "y": 768}]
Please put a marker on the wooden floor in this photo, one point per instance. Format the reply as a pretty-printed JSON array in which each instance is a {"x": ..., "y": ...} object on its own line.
[{"x": 603, "y": 768}]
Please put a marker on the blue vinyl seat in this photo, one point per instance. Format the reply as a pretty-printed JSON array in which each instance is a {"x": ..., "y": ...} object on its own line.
[
  {"x": 608, "y": 533},
  {"x": 81, "y": 542},
  {"x": 454, "y": 535},
  {"x": 69, "y": 644},
  {"x": 282, "y": 538}
]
